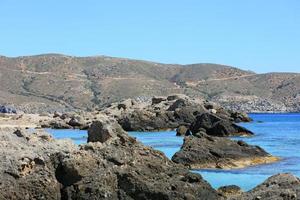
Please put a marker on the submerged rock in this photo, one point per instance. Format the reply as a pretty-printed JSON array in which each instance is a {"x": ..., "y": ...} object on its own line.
[
  {"x": 204, "y": 151},
  {"x": 216, "y": 126}
]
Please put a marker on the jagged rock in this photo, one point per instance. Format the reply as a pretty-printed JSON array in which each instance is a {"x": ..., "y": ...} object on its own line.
[
  {"x": 157, "y": 100},
  {"x": 125, "y": 104},
  {"x": 55, "y": 124},
  {"x": 77, "y": 122},
  {"x": 26, "y": 170},
  {"x": 240, "y": 117},
  {"x": 56, "y": 114},
  {"x": 168, "y": 114},
  {"x": 217, "y": 126},
  {"x": 143, "y": 120},
  {"x": 35, "y": 166},
  {"x": 205, "y": 151},
  {"x": 101, "y": 131},
  {"x": 179, "y": 103},
  {"x": 163, "y": 113},
  {"x": 182, "y": 131},
  {"x": 280, "y": 186}
]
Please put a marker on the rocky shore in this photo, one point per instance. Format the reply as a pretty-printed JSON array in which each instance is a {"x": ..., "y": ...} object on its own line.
[
  {"x": 113, "y": 165},
  {"x": 164, "y": 113}
]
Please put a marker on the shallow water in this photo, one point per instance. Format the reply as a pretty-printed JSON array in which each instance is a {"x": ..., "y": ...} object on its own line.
[
  {"x": 279, "y": 134},
  {"x": 78, "y": 136}
]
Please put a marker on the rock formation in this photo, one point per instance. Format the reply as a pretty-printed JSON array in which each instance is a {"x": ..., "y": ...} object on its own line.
[
  {"x": 216, "y": 126},
  {"x": 164, "y": 113},
  {"x": 113, "y": 166},
  {"x": 204, "y": 151},
  {"x": 26, "y": 168}
]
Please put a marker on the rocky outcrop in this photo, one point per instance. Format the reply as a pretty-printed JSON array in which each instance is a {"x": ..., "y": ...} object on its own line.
[
  {"x": 113, "y": 166},
  {"x": 216, "y": 126},
  {"x": 204, "y": 152},
  {"x": 26, "y": 169},
  {"x": 280, "y": 186},
  {"x": 80, "y": 120},
  {"x": 164, "y": 113},
  {"x": 183, "y": 131}
]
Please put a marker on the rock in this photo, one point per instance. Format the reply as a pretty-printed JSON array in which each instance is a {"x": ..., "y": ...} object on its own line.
[
  {"x": 101, "y": 131},
  {"x": 145, "y": 120},
  {"x": 26, "y": 170},
  {"x": 64, "y": 116},
  {"x": 280, "y": 186},
  {"x": 165, "y": 113},
  {"x": 179, "y": 103},
  {"x": 176, "y": 96},
  {"x": 206, "y": 151},
  {"x": 76, "y": 122},
  {"x": 56, "y": 124},
  {"x": 240, "y": 117},
  {"x": 200, "y": 134},
  {"x": 160, "y": 116},
  {"x": 125, "y": 104},
  {"x": 56, "y": 114},
  {"x": 211, "y": 105},
  {"x": 182, "y": 131},
  {"x": 157, "y": 100},
  {"x": 230, "y": 190},
  {"x": 213, "y": 111},
  {"x": 217, "y": 126}
]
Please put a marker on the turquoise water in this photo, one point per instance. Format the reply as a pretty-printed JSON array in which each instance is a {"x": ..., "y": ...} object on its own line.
[
  {"x": 279, "y": 134},
  {"x": 78, "y": 136}
]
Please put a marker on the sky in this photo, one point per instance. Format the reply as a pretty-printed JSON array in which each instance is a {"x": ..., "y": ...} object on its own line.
[{"x": 258, "y": 35}]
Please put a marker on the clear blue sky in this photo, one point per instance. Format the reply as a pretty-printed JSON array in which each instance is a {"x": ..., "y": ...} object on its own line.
[{"x": 259, "y": 35}]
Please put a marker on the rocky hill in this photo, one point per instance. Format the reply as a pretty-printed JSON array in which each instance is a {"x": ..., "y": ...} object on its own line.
[{"x": 58, "y": 82}]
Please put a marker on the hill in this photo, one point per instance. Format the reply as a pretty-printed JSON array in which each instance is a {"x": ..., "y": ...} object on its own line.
[{"x": 57, "y": 82}]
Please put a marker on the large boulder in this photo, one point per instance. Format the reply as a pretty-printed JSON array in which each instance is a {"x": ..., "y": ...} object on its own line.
[
  {"x": 216, "y": 126},
  {"x": 204, "y": 152},
  {"x": 182, "y": 131},
  {"x": 101, "y": 131}
]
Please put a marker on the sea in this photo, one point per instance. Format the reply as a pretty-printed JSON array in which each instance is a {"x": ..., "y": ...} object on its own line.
[{"x": 278, "y": 134}]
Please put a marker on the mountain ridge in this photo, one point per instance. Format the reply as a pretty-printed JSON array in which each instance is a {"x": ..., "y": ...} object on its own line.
[{"x": 50, "y": 82}]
